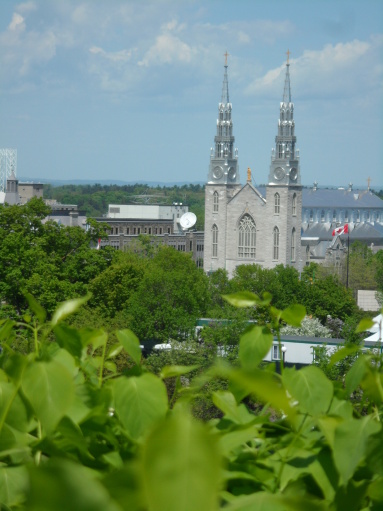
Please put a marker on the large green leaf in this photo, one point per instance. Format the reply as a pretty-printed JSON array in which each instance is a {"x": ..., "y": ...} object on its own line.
[
  {"x": 294, "y": 314},
  {"x": 254, "y": 345},
  {"x": 263, "y": 501},
  {"x": 350, "y": 444},
  {"x": 13, "y": 483},
  {"x": 233, "y": 439},
  {"x": 130, "y": 343},
  {"x": 226, "y": 402},
  {"x": 12, "y": 409},
  {"x": 140, "y": 402},
  {"x": 356, "y": 374},
  {"x": 343, "y": 353},
  {"x": 364, "y": 325},
  {"x": 49, "y": 388},
  {"x": 69, "y": 339},
  {"x": 310, "y": 387},
  {"x": 176, "y": 370},
  {"x": 264, "y": 385},
  {"x": 67, "y": 308},
  {"x": 242, "y": 299},
  {"x": 181, "y": 466},
  {"x": 60, "y": 485}
]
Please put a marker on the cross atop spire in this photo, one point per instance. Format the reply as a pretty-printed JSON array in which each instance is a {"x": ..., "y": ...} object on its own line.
[{"x": 288, "y": 53}]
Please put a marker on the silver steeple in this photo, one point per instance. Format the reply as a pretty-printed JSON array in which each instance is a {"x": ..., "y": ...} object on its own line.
[
  {"x": 284, "y": 167},
  {"x": 223, "y": 166}
]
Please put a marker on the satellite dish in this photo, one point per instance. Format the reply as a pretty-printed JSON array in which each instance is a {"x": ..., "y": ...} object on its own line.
[{"x": 187, "y": 220}]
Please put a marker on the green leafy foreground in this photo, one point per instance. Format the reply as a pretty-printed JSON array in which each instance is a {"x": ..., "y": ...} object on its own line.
[{"x": 75, "y": 434}]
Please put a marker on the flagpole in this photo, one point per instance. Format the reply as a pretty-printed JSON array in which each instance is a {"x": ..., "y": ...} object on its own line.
[{"x": 348, "y": 255}]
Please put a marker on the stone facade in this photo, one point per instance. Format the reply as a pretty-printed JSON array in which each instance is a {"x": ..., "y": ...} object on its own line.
[{"x": 242, "y": 226}]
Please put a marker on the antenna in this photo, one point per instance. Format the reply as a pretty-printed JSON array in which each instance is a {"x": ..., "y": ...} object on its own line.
[{"x": 187, "y": 220}]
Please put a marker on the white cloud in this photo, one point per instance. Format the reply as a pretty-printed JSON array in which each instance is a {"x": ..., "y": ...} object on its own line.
[
  {"x": 17, "y": 22},
  {"x": 116, "y": 56},
  {"x": 167, "y": 49},
  {"x": 26, "y": 7},
  {"x": 335, "y": 70}
]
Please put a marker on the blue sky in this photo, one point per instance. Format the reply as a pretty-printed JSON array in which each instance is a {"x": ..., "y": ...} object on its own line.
[{"x": 129, "y": 90}]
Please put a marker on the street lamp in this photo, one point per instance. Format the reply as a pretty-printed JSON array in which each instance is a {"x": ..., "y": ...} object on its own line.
[{"x": 284, "y": 349}]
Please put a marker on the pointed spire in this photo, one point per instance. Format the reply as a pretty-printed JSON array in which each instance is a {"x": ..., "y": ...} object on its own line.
[
  {"x": 223, "y": 166},
  {"x": 225, "y": 85},
  {"x": 287, "y": 89}
]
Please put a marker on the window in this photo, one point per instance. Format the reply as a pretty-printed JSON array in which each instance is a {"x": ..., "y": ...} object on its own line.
[
  {"x": 311, "y": 215},
  {"x": 346, "y": 216},
  {"x": 127, "y": 230},
  {"x": 247, "y": 237},
  {"x": 322, "y": 216},
  {"x": 293, "y": 244},
  {"x": 334, "y": 216},
  {"x": 191, "y": 246},
  {"x": 276, "y": 243},
  {"x": 294, "y": 208},
  {"x": 277, "y": 203},
  {"x": 168, "y": 230},
  {"x": 215, "y": 202},
  {"x": 275, "y": 352},
  {"x": 215, "y": 241},
  {"x": 280, "y": 151}
]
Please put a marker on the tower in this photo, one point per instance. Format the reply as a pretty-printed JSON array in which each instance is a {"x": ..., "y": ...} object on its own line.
[
  {"x": 223, "y": 182},
  {"x": 8, "y": 165},
  {"x": 223, "y": 166},
  {"x": 284, "y": 190}
]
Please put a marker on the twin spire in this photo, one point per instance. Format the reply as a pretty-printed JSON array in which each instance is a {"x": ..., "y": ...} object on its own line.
[
  {"x": 225, "y": 85},
  {"x": 223, "y": 166},
  {"x": 287, "y": 88}
]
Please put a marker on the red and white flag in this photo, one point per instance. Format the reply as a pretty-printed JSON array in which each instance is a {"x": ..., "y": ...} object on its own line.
[
  {"x": 98, "y": 244},
  {"x": 343, "y": 229}
]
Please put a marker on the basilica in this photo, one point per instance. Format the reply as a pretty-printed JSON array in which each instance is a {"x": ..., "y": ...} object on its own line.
[{"x": 243, "y": 224}]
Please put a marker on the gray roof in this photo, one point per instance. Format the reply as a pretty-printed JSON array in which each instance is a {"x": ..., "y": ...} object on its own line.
[
  {"x": 362, "y": 230},
  {"x": 336, "y": 198},
  {"x": 328, "y": 198}
]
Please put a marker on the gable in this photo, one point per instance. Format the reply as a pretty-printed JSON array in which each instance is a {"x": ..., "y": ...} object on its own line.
[{"x": 248, "y": 194}]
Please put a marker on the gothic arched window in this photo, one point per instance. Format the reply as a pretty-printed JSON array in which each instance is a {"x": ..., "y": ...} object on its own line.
[
  {"x": 294, "y": 207},
  {"x": 215, "y": 241},
  {"x": 276, "y": 243},
  {"x": 215, "y": 202},
  {"x": 277, "y": 203},
  {"x": 293, "y": 244},
  {"x": 247, "y": 237}
]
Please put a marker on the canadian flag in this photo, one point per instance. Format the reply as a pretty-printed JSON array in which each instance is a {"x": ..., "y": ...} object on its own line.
[
  {"x": 98, "y": 244},
  {"x": 343, "y": 229}
]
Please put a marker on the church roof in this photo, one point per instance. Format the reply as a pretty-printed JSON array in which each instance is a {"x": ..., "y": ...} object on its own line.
[
  {"x": 360, "y": 231},
  {"x": 336, "y": 198},
  {"x": 339, "y": 198}
]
